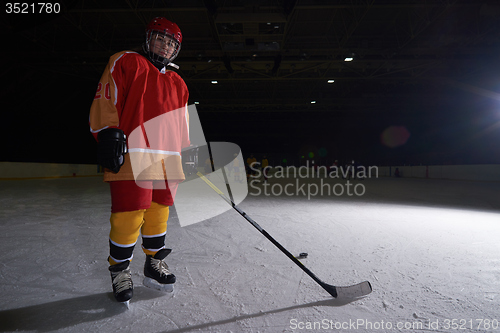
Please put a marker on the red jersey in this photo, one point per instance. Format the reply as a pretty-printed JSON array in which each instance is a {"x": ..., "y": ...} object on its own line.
[{"x": 150, "y": 106}]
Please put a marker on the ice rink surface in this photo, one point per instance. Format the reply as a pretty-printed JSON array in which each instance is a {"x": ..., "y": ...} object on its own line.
[{"x": 430, "y": 249}]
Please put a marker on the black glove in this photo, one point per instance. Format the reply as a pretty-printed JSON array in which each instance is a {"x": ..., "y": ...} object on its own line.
[
  {"x": 190, "y": 160},
  {"x": 111, "y": 148}
]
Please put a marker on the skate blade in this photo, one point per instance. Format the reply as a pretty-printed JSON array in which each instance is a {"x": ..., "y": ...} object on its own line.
[
  {"x": 153, "y": 284},
  {"x": 127, "y": 304}
]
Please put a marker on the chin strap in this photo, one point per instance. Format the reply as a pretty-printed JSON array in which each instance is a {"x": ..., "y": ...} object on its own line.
[{"x": 173, "y": 65}]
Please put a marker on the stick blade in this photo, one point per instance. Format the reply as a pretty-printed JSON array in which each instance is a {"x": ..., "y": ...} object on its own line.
[{"x": 354, "y": 291}]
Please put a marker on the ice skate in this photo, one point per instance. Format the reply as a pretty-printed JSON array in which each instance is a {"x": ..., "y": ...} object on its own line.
[
  {"x": 156, "y": 273},
  {"x": 123, "y": 288}
]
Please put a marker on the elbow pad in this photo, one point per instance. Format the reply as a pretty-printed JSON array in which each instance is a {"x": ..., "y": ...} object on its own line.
[{"x": 111, "y": 148}]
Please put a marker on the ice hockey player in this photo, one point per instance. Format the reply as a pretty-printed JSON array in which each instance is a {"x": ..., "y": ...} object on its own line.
[
  {"x": 252, "y": 167},
  {"x": 134, "y": 88}
]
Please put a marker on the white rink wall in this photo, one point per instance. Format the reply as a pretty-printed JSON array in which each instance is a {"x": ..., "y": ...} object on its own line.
[
  {"x": 475, "y": 172},
  {"x": 23, "y": 170}
]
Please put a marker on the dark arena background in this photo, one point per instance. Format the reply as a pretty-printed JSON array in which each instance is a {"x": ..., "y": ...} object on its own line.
[
  {"x": 428, "y": 67},
  {"x": 408, "y": 90}
]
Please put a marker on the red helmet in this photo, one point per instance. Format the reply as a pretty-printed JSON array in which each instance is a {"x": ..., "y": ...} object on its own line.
[
  {"x": 163, "y": 41},
  {"x": 166, "y": 27}
]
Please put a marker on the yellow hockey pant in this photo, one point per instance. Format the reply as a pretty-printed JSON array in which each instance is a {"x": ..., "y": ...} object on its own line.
[{"x": 151, "y": 223}]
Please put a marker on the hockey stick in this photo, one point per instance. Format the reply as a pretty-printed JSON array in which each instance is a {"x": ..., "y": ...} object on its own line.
[{"x": 353, "y": 291}]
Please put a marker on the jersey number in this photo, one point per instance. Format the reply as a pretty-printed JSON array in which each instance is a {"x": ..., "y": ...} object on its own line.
[{"x": 107, "y": 93}]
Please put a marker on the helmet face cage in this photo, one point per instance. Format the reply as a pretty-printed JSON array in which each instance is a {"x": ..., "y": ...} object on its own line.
[{"x": 161, "y": 47}]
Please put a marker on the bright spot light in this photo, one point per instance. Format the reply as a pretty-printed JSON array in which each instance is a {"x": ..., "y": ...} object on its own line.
[
  {"x": 394, "y": 136},
  {"x": 215, "y": 82},
  {"x": 331, "y": 81},
  {"x": 313, "y": 102},
  {"x": 348, "y": 59}
]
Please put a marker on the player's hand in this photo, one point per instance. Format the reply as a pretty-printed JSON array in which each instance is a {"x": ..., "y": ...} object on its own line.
[
  {"x": 190, "y": 160},
  {"x": 111, "y": 149}
]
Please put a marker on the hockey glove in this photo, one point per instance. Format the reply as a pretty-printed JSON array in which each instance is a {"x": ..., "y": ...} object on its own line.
[
  {"x": 111, "y": 148},
  {"x": 190, "y": 160}
]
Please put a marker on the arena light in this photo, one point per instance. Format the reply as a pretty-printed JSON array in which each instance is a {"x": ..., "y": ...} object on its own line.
[
  {"x": 330, "y": 81},
  {"x": 214, "y": 82},
  {"x": 349, "y": 57}
]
